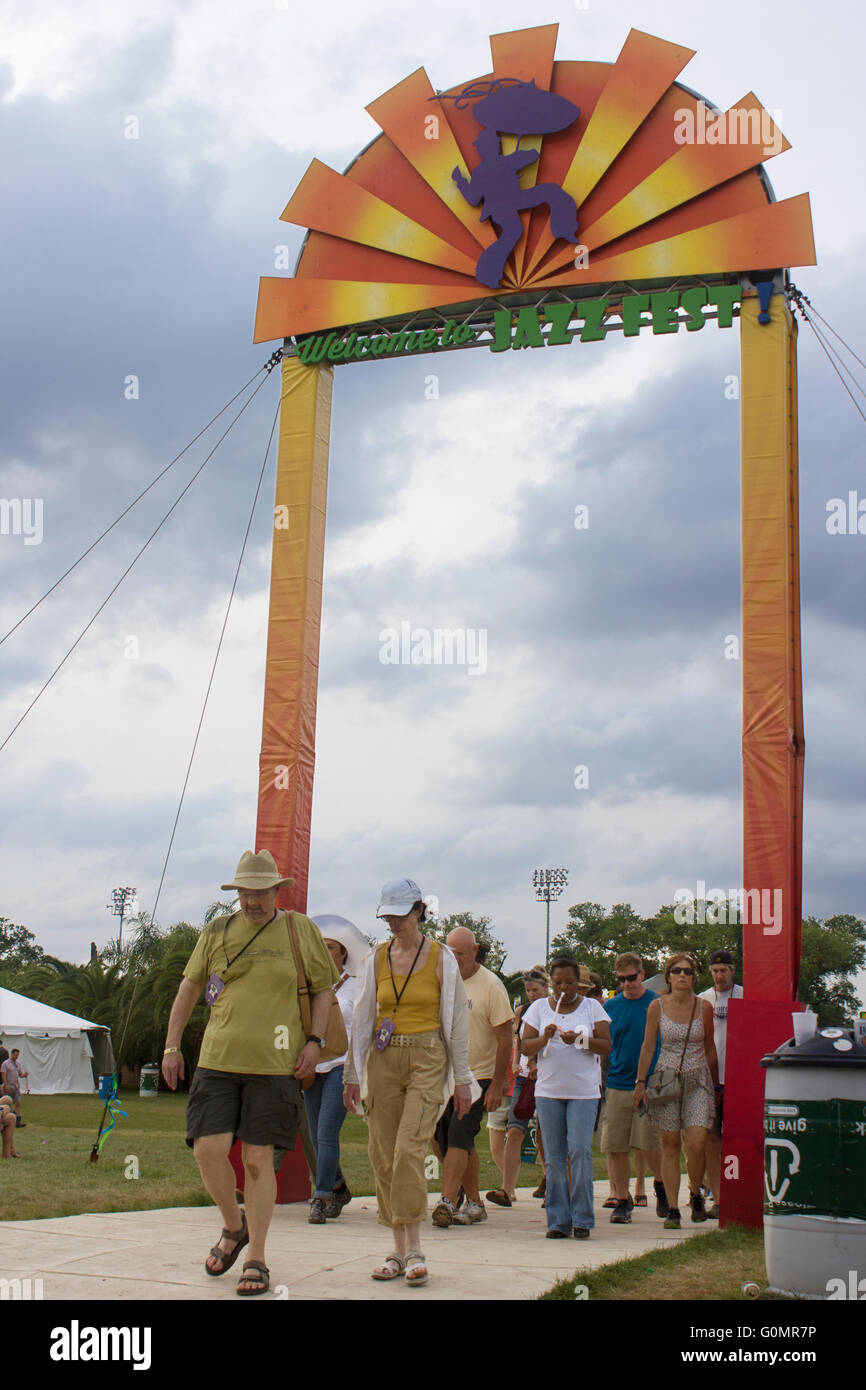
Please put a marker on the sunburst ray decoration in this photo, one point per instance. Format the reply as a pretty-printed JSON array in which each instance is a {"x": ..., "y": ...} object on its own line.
[{"x": 397, "y": 234}]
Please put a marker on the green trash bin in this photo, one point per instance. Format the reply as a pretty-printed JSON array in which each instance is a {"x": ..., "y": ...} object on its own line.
[
  {"x": 149, "y": 1082},
  {"x": 815, "y": 1165}
]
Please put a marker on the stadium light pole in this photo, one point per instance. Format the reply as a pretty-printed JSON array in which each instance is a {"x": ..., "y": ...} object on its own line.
[
  {"x": 119, "y": 899},
  {"x": 548, "y": 884}
]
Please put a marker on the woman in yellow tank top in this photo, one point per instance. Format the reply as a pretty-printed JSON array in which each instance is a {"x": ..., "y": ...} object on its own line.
[{"x": 410, "y": 1033}]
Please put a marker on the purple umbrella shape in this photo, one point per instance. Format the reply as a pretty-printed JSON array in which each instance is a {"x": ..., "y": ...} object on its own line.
[{"x": 525, "y": 110}]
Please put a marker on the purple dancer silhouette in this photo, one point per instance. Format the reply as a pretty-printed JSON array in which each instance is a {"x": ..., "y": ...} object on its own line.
[{"x": 518, "y": 108}]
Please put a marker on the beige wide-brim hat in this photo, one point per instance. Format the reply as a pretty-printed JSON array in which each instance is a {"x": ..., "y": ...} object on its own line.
[{"x": 257, "y": 871}]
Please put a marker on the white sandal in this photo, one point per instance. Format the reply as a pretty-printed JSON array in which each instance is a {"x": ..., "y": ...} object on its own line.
[
  {"x": 415, "y": 1260},
  {"x": 398, "y": 1268}
]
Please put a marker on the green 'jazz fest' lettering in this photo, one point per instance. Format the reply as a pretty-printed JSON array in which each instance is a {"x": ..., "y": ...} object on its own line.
[{"x": 523, "y": 329}]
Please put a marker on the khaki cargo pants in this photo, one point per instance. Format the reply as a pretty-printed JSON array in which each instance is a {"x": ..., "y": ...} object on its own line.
[{"x": 404, "y": 1097}]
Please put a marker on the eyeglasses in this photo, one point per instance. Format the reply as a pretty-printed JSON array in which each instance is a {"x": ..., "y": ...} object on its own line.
[
  {"x": 682, "y": 970},
  {"x": 627, "y": 979}
]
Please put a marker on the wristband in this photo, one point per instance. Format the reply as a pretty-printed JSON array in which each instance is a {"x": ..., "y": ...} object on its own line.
[
  {"x": 639, "y": 1082},
  {"x": 167, "y": 1050},
  {"x": 311, "y": 1037}
]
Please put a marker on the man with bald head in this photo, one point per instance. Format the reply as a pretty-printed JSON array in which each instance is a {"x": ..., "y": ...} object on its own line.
[{"x": 490, "y": 1037}]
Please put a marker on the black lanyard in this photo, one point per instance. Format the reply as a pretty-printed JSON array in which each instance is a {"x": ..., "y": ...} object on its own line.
[
  {"x": 230, "y": 963},
  {"x": 398, "y": 997}
]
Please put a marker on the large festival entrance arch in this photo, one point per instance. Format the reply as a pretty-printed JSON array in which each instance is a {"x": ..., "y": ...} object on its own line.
[{"x": 613, "y": 199}]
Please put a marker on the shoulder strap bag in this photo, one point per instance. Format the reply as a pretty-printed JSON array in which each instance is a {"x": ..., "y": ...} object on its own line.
[
  {"x": 336, "y": 1041},
  {"x": 666, "y": 1083}
]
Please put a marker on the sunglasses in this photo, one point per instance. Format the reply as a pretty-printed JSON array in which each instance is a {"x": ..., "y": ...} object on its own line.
[
  {"x": 682, "y": 970},
  {"x": 535, "y": 975},
  {"x": 627, "y": 979}
]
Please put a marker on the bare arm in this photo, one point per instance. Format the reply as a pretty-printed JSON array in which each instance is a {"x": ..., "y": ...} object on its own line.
[
  {"x": 504, "y": 1042},
  {"x": 649, "y": 1046},
  {"x": 311, "y": 1052},
  {"x": 530, "y": 1042},
  {"x": 184, "y": 1002}
]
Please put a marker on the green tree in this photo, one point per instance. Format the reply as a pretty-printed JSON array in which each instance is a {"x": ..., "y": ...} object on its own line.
[
  {"x": 482, "y": 929},
  {"x": 18, "y": 946},
  {"x": 833, "y": 950},
  {"x": 700, "y": 936},
  {"x": 596, "y": 936}
]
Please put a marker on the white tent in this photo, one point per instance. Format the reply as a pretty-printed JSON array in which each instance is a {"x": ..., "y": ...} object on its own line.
[{"x": 57, "y": 1049}]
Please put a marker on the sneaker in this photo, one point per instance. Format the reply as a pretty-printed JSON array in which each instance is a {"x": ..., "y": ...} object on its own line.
[
  {"x": 341, "y": 1198},
  {"x": 443, "y": 1212},
  {"x": 317, "y": 1211},
  {"x": 662, "y": 1207},
  {"x": 696, "y": 1202},
  {"x": 713, "y": 1213},
  {"x": 470, "y": 1213},
  {"x": 673, "y": 1222},
  {"x": 621, "y": 1214}
]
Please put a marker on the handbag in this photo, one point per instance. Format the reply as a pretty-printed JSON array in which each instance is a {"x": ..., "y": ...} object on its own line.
[
  {"x": 666, "y": 1083},
  {"x": 335, "y": 1041},
  {"x": 525, "y": 1107}
]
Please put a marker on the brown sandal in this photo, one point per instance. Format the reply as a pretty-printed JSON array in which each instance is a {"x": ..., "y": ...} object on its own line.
[
  {"x": 242, "y": 1237},
  {"x": 263, "y": 1277}
]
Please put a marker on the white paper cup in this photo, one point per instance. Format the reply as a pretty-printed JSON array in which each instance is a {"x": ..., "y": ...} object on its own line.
[{"x": 805, "y": 1025}]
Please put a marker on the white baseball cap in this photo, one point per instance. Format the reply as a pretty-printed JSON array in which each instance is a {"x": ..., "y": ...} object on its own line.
[{"x": 398, "y": 897}]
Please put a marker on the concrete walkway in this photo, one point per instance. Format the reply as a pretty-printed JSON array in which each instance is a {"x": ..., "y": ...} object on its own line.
[{"x": 159, "y": 1255}]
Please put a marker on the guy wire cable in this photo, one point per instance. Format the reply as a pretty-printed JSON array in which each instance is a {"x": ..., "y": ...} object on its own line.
[
  {"x": 94, "y": 1153},
  {"x": 134, "y": 560},
  {"x": 266, "y": 368},
  {"x": 798, "y": 300},
  {"x": 806, "y": 300}
]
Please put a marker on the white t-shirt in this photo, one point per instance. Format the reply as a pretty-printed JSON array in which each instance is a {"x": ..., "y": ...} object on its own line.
[
  {"x": 719, "y": 1001},
  {"x": 568, "y": 1072},
  {"x": 346, "y": 1001}
]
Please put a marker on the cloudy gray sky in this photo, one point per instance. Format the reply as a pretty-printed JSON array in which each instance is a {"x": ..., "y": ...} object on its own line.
[{"x": 604, "y": 648}]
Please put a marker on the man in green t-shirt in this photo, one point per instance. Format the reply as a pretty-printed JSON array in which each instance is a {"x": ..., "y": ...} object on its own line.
[{"x": 254, "y": 1054}]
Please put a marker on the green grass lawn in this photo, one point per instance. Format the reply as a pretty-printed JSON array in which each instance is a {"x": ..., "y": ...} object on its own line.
[
  {"x": 55, "y": 1178},
  {"x": 706, "y": 1268}
]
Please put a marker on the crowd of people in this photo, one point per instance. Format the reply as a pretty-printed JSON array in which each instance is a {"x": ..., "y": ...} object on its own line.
[{"x": 431, "y": 1044}]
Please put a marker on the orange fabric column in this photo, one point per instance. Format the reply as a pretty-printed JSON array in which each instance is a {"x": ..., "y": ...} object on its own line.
[
  {"x": 772, "y": 687},
  {"x": 291, "y": 674},
  {"x": 772, "y": 748}
]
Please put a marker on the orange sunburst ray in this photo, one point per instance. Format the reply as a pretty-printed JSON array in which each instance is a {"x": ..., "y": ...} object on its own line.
[
  {"x": 642, "y": 73},
  {"x": 326, "y": 201},
  {"x": 692, "y": 171}
]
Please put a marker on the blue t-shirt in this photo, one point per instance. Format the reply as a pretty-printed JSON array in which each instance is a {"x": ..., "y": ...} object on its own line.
[{"x": 627, "y": 1028}]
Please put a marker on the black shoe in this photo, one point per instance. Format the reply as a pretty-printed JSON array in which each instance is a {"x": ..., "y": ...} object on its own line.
[
  {"x": 621, "y": 1214},
  {"x": 673, "y": 1222},
  {"x": 557, "y": 1235},
  {"x": 581, "y": 1233},
  {"x": 317, "y": 1212},
  {"x": 341, "y": 1198},
  {"x": 541, "y": 1189},
  {"x": 696, "y": 1202},
  {"x": 19, "y": 1123},
  {"x": 662, "y": 1207}
]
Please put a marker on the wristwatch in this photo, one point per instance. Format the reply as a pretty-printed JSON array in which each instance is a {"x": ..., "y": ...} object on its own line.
[{"x": 311, "y": 1037}]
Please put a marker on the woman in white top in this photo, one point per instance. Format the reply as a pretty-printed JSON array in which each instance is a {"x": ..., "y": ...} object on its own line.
[
  {"x": 324, "y": 1099},
  {"x": 567, "y": 1034}
]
